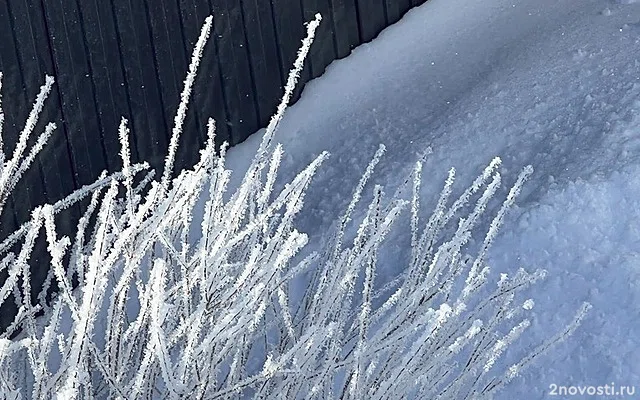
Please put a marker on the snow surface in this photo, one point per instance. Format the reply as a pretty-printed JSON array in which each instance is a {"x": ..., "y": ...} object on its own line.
[{"x": 552, "y": 83}]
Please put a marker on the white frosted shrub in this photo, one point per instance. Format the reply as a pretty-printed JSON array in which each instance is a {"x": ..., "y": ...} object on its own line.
[{"x": 161, "y": 315}]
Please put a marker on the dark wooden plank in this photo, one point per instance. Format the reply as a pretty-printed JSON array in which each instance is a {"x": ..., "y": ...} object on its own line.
[
  {"x": 345, "y": 26},
  {"x": 104, "y": 64},
  {"x": 193, "y": 134},
  {"x": 54, "y": 160},
  {"x": 392, "y": 11},
  {"x": 13, "y": 104},
  {"x": 74, "y": 80},
  {"x": 404, "y": 5},
  {"x": 168, "y": 53},
  {"x": 263, "y": 53},
  {"x": 148, "y": 122},
  {"x": 323, "y": 49},
  {"x": 171, "y": 63},
  {"x": 290, "y": 30},
  {"x": 31, "y": 191},
  {"x": 51, "y": 176},
  {"x": 14, "y": 101},
  {"x": 208, "y": 96},
  {"x": 8, "y": 223},
  {"x": 238, "y": 88},
  {"x": 39, "y": 262},
  {"x": 371, "y": 18}
]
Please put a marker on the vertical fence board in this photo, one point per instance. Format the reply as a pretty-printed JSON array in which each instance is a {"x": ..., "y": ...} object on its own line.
[
  {"x": 10, "y": 69},
  {"x": 405, "y": 5},
  {"x": 290, "y": 30},
  {"x": 323, "y": 50},
  {"x": 371, "y": 17},
  {"x": 112, "y": 39},
  {"x": 14, "y": 101},
  {"x": 88, "y": 154},
  {"x": 149, "y": 124},
  {"x": 106, "y": 78},
  {"x": 54, "y": 160},
  {"x": 168, "y": 55},
  {"x": 194, "y": 129},
  {"x": 14, "y": 104},
  {"x": 392, "y": 12},
  {"x": 235, "y": 69},
  {"x": 31, "y": 191},
  {"x": 263, "y": 54},
  {"x": 172, "y": 65},
  {"x": 345, "y": 26},
  {"x": 208, "y": 97}
]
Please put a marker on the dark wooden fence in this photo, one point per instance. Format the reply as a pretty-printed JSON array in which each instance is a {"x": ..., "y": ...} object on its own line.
[{"x": 115, "y": 58}]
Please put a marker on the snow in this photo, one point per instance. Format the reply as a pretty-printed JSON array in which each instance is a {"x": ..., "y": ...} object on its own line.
[{"x": 551, "y": 83}]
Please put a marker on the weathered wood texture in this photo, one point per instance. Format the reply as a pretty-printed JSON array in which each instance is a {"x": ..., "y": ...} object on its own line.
[{"x": 115, "y": 58}]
